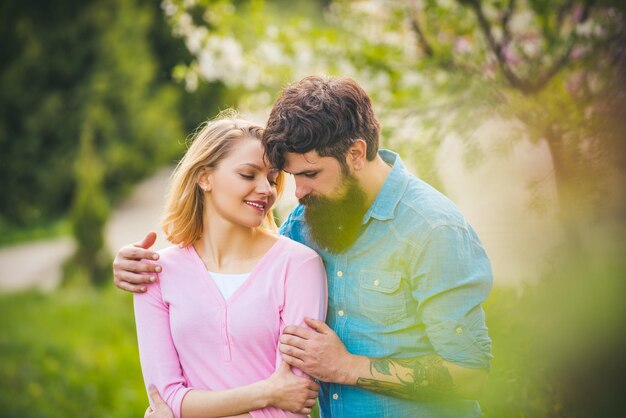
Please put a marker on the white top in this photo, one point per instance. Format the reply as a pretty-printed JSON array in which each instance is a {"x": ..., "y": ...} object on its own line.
[{"x": 228, "y": 283}]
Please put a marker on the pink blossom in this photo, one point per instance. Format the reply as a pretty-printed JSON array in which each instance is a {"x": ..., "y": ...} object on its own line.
[
  {"x": 578, "y": 52},
  {"x": 577, "y": 13},
  {"x": 510, "y": 55},
  {"x": 462, "y": 45}
]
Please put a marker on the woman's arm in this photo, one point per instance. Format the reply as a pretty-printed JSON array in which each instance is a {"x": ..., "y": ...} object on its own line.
[
  {"x": 305, "y": 295},
  {"x": 161, "y": 368},
  {"x": 283, "y": 390}
]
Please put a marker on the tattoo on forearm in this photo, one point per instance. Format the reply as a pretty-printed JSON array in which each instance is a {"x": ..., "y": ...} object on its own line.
[{"x": 424, "y": 378}]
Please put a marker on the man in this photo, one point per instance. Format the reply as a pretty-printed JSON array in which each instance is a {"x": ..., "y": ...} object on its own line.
[{"x": 405, "y": 333}]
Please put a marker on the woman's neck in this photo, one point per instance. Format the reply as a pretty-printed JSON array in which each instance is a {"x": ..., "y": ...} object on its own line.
[{"x": 228, "y": 248}]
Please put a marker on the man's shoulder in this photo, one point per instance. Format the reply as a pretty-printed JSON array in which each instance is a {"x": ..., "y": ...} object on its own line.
[
  {"x": 293, "y": 227},
  {"x": 427, "y": 207},
  {"x": 297, "y": 214}
]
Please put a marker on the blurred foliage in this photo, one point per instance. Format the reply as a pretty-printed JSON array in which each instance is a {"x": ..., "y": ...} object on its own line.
[
  {"x": 557, "y": 344},
  {"x": 436, "y": 68},
  {"x": 70, "y": 63}
]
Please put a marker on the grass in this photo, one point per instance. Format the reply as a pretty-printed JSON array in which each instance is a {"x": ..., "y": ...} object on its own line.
[{"x": 68, "y": 354}]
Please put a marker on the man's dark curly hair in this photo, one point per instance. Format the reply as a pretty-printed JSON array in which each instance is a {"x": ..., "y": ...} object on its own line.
[{"x": 325, "y": 114}]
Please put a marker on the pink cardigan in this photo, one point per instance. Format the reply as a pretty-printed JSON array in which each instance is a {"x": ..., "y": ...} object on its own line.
[{"x": 191, "y": 338}]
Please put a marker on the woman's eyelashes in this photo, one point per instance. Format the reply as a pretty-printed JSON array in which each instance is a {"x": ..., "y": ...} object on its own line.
[{"x": 250, "y": 177}]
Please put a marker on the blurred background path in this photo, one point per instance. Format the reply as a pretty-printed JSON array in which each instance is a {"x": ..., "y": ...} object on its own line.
[{"x": 38, "y": 264}]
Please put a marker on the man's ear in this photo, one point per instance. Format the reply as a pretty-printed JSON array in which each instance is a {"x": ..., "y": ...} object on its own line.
[
  {"x": 357, "y": 154},
  {"x": 204, "y": 180}
]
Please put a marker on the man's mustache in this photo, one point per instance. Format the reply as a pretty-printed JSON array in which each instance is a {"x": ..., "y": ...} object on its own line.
[{"x": 311, "y": 200}]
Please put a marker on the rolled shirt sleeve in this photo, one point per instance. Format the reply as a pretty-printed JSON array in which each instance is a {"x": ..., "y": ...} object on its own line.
[{"x": 452, "y": 279}]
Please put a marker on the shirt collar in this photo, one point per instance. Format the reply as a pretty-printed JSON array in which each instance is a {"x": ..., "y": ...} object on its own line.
[{"x": 389, "y": 196}]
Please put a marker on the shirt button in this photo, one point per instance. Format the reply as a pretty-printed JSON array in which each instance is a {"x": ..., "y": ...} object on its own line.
[
  {"x": 335, "y": 396},
  {"x": 340, "y": 313},
  {"x": 376, "y": 282},
  {"x": 340, "y": 273},
  {"x": 459, "y": 330}
]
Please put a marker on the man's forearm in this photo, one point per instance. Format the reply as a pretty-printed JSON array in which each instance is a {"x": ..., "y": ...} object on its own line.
[{"x": 423, "y": 378}]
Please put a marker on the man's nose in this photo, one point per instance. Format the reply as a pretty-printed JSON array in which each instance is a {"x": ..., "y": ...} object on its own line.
[{"x": 301, "y": 191}]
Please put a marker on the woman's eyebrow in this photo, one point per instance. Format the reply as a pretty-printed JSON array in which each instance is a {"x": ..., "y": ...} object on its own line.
[{"x": 256, "y": 166}]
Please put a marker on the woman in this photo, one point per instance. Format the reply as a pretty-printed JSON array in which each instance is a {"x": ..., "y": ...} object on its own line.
[{"x": 208, "y": 329}]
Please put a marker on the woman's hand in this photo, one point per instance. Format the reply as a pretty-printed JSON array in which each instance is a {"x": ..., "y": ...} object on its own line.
[
  {"x": 290, "y": 392},
  {"x": 161, "y": 410}
]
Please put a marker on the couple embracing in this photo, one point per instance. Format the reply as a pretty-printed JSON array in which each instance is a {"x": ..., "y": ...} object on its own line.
[{"x": 369, "y": 294}]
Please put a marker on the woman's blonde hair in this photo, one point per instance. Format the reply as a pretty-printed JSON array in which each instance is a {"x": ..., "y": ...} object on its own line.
[{"x": 212, "y": 141}]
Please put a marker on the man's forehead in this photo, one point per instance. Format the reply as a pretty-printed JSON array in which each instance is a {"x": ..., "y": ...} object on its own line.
[{"x": 295, "y": 161}]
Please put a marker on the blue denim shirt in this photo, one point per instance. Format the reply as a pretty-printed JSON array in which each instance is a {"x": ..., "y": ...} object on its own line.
[{"x": 411, "y": 285}]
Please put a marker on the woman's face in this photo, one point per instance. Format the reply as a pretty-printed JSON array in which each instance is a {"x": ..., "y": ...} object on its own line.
[{"x": 242, "y": 188}]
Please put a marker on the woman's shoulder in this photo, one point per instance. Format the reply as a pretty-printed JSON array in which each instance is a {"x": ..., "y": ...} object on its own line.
[
  {"x": 297, "y": 250},
  {"x": 174, "y": 255},
  {"x": 173, "y": 251}
]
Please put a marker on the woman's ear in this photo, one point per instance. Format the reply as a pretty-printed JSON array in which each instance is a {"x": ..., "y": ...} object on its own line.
[
  {"x": 357, "y": 154},
  {"x": 204, "y": 180}
]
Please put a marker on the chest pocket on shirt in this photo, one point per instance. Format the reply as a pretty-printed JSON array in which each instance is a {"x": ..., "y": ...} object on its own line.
[{"x": 380, "y": 296}]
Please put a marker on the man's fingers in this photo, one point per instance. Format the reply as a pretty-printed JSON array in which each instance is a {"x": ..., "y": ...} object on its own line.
[
  {"x": 134, "y": 266},
  {"x": 299, "y": 331},
  {"x": 310, "y": 402},
  {"x": 134, "y": 288},
  {"x": 292, "y": 361},
  {"x": 314, "y": 387},
  {"x": 317, "y": 325},
  {"x": 148, "y": 241},
  {"x": 291, "y": 351},
  {"x": 131, "y": 252},
  {"x": 149, "y": 412},
  {"x": 133, "y": 278},
  {"x": 293, "y": 341}
]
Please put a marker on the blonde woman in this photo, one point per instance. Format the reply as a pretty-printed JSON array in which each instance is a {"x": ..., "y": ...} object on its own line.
[{"x": 208, "y": 328}]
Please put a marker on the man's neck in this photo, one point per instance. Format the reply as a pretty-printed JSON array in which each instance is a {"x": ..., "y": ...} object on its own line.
[{"x": 372, "y": 177}]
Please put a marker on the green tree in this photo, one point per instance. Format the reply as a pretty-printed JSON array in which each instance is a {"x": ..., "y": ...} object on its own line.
[
  {"x": 56, "y": 60},
  {"x": 88, "y": 215}
]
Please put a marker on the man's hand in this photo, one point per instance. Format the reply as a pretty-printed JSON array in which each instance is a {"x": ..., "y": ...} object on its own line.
[
  {"x": 318, "y": 352},
  {"x": 127, "y": 265},
  {"x": 161, "y": 410}
]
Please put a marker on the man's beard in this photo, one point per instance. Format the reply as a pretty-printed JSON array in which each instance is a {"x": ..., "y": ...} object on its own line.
[{"x": 336, "y": 223}]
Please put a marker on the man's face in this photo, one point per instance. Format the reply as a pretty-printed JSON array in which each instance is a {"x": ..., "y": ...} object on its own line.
[
  {"x": 314, "y": 175},
  {"x": 334, "y": 200}
]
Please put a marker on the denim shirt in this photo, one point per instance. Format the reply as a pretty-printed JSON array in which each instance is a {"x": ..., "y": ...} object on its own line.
[{"x": 411, "y": 285}]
